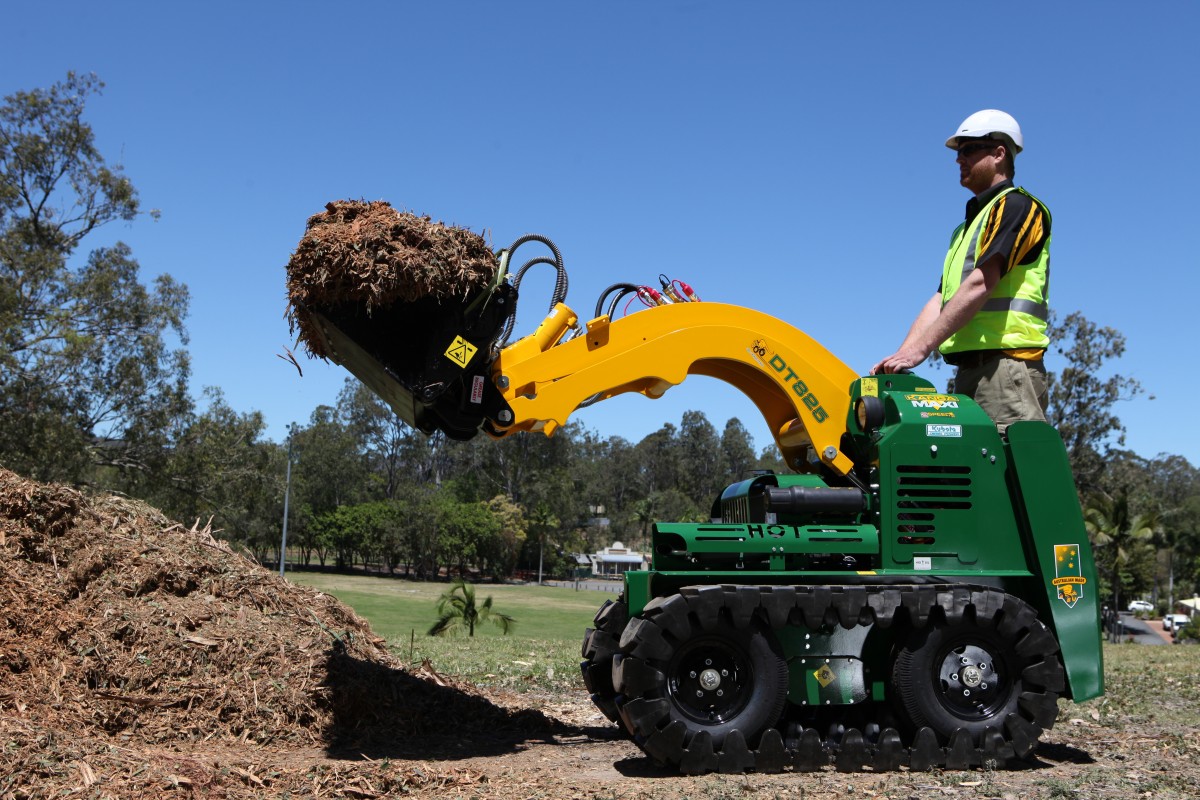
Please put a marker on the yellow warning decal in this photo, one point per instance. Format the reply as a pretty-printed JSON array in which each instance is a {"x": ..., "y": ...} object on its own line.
[
  {"x": 824, "y": 676},
  {"x": 869, "y": 387},
  {"x": 461, "y": 351}
]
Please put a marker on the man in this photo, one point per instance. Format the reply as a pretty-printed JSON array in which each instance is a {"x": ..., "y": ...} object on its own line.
[{"x": 989, "y": 314}]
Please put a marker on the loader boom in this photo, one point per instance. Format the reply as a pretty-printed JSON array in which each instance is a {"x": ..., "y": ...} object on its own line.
[{"x": 798, "y": 386}]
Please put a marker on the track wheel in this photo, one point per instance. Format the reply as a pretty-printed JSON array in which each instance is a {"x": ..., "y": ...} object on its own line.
[
  {"x": 600, "y": 644},
  {"x": 975, "y": 674},
  {"x": 705, "y": 685}
]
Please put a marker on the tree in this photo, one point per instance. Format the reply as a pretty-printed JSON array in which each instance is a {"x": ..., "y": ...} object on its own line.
[
  {"x": 417, "y": 527},
  {"x": 1082, "y": 401},
  {"x": 737, "y": 451},
  {"x": 701, "y": 474},
  {"x": 542, "y": 523},
  {"x": 1123, "y": 542},
  {"x": 382, "y": 435},
  {"x": 86, "y": 373},
  {"x": 328, "y": 473},
  {"x": 659, "y": 457},
  {"x": 500, "y": 552},
  {"x": 457, "y": 609},
  {"x": 1169, "y": 486},
  {"x": 219, "y": 467}
]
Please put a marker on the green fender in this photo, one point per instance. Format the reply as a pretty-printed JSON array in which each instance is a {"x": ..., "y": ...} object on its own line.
[{"x": 1062, "y": 556}]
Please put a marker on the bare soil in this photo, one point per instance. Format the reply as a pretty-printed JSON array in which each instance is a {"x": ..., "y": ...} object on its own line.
[{"x": 140, "y": 658}]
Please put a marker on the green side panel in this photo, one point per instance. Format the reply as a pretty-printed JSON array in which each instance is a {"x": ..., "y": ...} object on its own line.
[
  {"x": 637, "y": 590},
  {"x": 682, "y": 546},
  {"x": 1063, "y": 555},
  {"x": 945, "y": 501}
]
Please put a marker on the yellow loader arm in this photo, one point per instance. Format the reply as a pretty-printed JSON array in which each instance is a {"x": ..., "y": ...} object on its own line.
[
  {"x": 799, "y": 387},
  {"x": 441, "y": 364}
]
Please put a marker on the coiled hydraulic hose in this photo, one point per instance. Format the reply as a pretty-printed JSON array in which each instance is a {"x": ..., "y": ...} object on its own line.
[{"x": 559, "y": 295}]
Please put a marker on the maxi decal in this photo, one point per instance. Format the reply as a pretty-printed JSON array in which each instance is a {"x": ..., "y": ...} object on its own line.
[
  {"x": 935, "y": 401},
  {"x": 1068, "y": 574},
  {"x": 762, "y": 354}
]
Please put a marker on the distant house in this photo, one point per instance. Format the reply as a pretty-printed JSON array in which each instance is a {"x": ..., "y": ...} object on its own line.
[{"x": 616, "y": 559}]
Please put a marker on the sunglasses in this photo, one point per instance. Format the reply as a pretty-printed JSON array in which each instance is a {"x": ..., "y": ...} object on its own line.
[{"x": 975, "y": 147}]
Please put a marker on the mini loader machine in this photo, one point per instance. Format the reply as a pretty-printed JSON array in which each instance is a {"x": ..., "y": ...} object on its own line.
[{"x": 919, "y": 594}]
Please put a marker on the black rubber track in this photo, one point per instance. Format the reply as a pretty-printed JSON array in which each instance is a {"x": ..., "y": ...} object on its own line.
[
  {"x": 637, "y": 690},
  {"x": 600, "y": 644}
]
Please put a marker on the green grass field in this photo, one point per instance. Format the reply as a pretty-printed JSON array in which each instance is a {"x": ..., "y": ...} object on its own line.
[
  {"x": 541, "y": 652},
  {"x": 1145, "y": 684}
]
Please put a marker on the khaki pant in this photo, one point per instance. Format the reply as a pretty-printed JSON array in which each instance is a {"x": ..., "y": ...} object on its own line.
[{"x": 1008, "y": 389}]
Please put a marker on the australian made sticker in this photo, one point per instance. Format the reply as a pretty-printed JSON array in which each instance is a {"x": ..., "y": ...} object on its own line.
[
  {"x": 1068, "y": 574},
  {"x": 944, "y": 431}
]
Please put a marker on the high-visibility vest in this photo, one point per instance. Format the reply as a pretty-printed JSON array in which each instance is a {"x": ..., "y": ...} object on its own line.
[{"x": 1015, "y": 314}]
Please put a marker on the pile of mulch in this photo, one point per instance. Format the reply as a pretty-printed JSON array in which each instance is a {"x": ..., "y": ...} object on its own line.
[
  {"x": 148, "y": 659},
  {"x": 370, "y": 256}
]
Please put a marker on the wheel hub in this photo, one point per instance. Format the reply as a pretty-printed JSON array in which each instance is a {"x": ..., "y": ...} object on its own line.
[
  {"x": 970, "y": 684},
  {"x": 710, "y": 680}
]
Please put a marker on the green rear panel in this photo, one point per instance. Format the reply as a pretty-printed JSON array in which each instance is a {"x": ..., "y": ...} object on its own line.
[{"x": 1062, "y": 554}]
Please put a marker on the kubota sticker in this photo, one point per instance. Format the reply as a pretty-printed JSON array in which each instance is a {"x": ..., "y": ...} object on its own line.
[
  {"x": 461, "y": 351},
  {"x": 1068, "y": 574},
  {"x": 944, "y": 431}
]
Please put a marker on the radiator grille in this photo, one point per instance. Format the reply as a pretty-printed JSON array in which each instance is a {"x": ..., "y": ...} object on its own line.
[{"x": 925, "y": 496}]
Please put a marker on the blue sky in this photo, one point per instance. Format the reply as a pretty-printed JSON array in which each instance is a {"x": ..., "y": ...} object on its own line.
[{"x": 782, "y": 156}]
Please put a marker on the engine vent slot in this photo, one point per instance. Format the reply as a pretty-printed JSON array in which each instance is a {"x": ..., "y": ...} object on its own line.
[{"x": 924, "y": 494}]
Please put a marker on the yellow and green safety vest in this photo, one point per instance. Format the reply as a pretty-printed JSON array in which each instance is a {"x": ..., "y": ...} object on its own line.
[{"x": 1015, "y": 315}]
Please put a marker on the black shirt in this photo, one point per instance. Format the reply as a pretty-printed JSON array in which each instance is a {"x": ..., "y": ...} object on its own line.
[{"x": 1017, "y": 227}]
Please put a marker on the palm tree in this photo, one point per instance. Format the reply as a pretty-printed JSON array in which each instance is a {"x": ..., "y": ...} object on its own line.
[
  {"x": 457, "y": 609},
  {"x": 1110, "y": 526}
]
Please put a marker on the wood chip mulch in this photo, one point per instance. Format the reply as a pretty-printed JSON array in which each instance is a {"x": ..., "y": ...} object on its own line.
[
  {"x": 140, "y": 657},
  {"x": 371, "y": 256}
]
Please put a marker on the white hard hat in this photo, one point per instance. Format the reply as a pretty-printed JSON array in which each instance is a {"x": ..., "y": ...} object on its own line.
[{"x": 988, "y": 122}]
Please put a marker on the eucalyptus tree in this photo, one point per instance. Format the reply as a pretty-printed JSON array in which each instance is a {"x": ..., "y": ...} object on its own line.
[
  {"x": 1084, "y": 394},
  {"x": 92, "y": 365},
  {"x": 737, "y": 451},
  {"x": 701, "y": 471}
]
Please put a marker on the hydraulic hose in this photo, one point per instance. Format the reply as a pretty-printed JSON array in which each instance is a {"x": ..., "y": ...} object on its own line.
[
  {"x": 559, "y": 295},
  {"x": 625, "y": 288}
]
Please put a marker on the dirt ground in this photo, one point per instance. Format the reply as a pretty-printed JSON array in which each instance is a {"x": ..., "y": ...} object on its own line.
[
  {"x": 586, "y": 758},
  {"x": 140, "y": 658},
  {"x": 1079, "y": 758}
]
